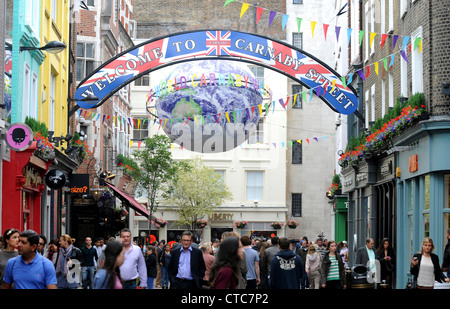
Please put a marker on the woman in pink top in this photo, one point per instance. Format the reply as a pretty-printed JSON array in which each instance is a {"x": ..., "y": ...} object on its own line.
[{"x": 209, "y": 259}]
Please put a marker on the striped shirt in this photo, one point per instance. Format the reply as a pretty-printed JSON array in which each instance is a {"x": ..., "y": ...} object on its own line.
[{"x": 333, "y": 274}]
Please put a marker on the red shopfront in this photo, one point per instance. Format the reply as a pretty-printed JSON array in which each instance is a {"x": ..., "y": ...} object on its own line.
[{"x": 23, "y": 185}]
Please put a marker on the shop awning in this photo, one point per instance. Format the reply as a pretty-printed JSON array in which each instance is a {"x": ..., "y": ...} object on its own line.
[{"x": 129, "y": 200}]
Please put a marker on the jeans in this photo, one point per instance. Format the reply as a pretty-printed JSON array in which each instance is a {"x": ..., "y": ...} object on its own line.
[
  {"x": 87, "y": 272},
  {"x": 131, "y": 285},
  {"x": 150, "y": 281},
  {"x": 164, "y": 276}
]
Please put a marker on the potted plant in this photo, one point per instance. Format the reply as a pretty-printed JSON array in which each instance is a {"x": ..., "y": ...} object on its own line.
[
  {"x": 335, "y": 187},
  {"x": 201, "y": 223},
  {"x": 276, "y": 225},
  {"x": 292, "y": 224},
  {"x": 240, "y": 224}
]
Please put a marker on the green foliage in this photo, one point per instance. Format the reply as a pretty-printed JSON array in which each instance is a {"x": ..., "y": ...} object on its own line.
[
  {"x": 37, "y": 126},
  {"x": 129, "y": 166},
  {"x": 417, "y": 100},
  {"x": 156, "y": 169},
  {"x": 197, "y": 191}
]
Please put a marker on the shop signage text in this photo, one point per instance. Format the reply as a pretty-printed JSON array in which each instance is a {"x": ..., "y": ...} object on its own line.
[{"x": 221, "y": 217}]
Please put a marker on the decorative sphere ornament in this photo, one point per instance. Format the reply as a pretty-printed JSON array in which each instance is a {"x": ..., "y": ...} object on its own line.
[{"x": 208, "y": 106}]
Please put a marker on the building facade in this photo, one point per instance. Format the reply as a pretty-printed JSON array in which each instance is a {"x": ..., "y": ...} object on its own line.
[{"x": 398, "y": 188}]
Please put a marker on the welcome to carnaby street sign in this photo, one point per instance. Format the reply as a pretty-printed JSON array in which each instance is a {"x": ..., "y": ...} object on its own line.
[{"x": 217, "y": 44}]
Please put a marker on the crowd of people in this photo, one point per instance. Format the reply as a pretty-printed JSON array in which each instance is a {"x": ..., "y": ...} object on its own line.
[{"x": 232, "y": 262}]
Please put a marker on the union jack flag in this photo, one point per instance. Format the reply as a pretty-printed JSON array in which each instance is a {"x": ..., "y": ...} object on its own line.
[{"x": 217, "y": 43}]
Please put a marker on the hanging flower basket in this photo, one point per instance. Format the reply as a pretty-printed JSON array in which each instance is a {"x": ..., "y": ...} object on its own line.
[
  {"x": 276, "y": 225},
  {"x": 240, "y": 224},
  {"x": 292, "y": 224},
  {"x": 201, "y": 223}
]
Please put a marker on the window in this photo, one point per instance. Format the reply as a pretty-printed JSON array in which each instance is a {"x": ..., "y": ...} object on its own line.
[
  {"x": 383, "y": 98},
  {"x": 296, "y": 152},
  {"x": 366, "y": 108},
  {"x": 259, "y": 73},
  {"x": 297, "y": 90},
  {"x": 297, "y": 39},
  {"x": 391, "y": 90},
  {"x": 258, "y": 134},
  {"x": 85, "y": 60},
  {"x": 417, "y": 64},
  {"x": 403, "y": 7},
  {"x": 372, "y": 103},
  {"x": 142, "y": 81},
  {"x": 254, "y": 185},
  {"x": 142, "y": 132},
  {"x": 55, "y": 9},
  {"x": 26, "y": 90},
  {"x": 404, "y": 79},
  {"x": 51, "y": 117},
  {"x": 34, "y": 97},
  {"x": 296, "y": 205},
  {"x": 90, "y": 2},
  {"x": 391, "y": 16},
  {"x": 297, "y": 1},
  {"x": 221, "y": 173}
]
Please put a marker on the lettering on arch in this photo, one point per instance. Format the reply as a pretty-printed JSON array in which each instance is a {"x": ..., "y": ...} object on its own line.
[{"x": 217, "y": 44}]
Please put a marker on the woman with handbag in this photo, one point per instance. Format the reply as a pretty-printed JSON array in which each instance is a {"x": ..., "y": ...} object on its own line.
[
  {"x": 69, "y": 256},
  {"x": 425, "y": 266},
  {"x": 386, "y": 257}
]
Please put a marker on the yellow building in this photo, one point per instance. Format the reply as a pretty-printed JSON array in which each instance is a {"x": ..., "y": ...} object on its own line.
[{"x": 54, "y": 71}]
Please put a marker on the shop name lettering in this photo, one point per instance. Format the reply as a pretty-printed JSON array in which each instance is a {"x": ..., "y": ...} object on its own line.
[
  {"x": 220, "y": 217},
  {"x": 78, "y": 189}
]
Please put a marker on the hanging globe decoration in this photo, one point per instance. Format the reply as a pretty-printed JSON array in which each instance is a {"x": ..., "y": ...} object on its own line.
[{"x": 208, "y": 106}]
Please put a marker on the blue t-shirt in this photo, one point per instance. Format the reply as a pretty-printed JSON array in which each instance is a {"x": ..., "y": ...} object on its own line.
[
  {"x": 251, "y": 256},
  {"x": 37, "y": 274}
]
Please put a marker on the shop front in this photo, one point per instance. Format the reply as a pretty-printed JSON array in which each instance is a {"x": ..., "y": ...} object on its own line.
[
  {"x": 423, "y": 190},
  {"x": 23, "y": 185},
  {"x": 358, "y": 180}
]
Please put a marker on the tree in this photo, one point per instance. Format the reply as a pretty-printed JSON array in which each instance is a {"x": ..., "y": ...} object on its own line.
[
  {"x": 156, "y": 171},
  {"x": 197, "y": 191}
]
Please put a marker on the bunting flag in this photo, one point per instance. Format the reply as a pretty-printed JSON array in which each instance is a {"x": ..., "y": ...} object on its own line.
[
  {"x": 284, "y": 21},
  {"x": 299, "y": 23},
  {"x": 383, "y": 39},
  {"x": 325, "y": 30},
  {"x": 313, "y": 26},
  {"x": 259, "y": 11},
  {"x": 272, "y": 16},
  {"x": 243, "y": 9},
  {"x": 376, "y": 67},
  {"x": 384, "y": 36},
  {"x": 372, "y": 37},
  {"x": 337, "y": 30}
]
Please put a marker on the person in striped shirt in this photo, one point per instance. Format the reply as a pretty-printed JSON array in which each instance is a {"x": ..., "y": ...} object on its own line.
[{"x": 333, "y": 269}]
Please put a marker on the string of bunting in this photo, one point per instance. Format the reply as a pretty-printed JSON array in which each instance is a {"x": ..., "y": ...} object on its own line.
[{"x": 337, "y": 29}]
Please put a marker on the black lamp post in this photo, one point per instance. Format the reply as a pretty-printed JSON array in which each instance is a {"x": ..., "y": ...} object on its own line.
[{"x": 53, "y": 47}]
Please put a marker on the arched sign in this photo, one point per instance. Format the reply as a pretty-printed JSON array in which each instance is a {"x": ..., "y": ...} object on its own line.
[{"x": 217, "y": 44}]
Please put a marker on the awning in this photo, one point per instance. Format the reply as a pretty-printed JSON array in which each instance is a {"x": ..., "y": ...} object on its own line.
[{"x": 129, "y": 200}]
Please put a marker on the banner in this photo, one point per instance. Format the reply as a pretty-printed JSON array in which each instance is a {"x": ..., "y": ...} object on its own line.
[{"x": 217, "y": 44}]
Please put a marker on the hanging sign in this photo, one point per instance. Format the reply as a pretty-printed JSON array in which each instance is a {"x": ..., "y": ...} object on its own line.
[
  {"x": 221, "y": 45},
  {"x": 79, "y": 183},
  {"x": 19, "y": 136},
  {"x": 55, "y": 179}
]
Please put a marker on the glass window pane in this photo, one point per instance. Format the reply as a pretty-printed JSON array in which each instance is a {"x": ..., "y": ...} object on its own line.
[
  {"x": 80, "y": 74},
  {"x": 89, "y": 67},
  {"x": 80, "y": 50},
  {"x": 89, "y": 50}
]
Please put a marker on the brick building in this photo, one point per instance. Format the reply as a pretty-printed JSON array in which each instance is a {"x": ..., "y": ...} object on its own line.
[
  {"x": 103, "y": 30},
  {"x": 400, "y": 189}
]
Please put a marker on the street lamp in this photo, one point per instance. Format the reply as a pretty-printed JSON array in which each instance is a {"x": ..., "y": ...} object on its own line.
[{"x": 53, "y": 47}]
